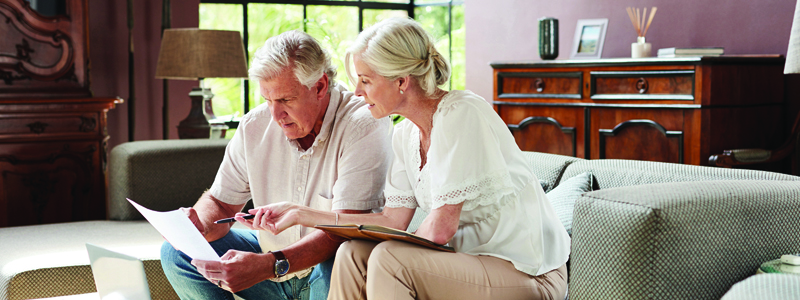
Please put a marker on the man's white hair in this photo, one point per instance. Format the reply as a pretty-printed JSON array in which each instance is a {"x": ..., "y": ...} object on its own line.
[{"x": 295, "y": 50}]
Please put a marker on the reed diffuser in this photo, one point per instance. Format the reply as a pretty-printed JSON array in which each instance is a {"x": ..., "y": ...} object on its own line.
[{"x": 640, "y": 48}]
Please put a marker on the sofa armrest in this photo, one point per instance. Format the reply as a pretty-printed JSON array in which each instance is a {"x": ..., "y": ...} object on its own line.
[
  {"x": 161, "y": 174},
  {"x": 689, "y": 240}
]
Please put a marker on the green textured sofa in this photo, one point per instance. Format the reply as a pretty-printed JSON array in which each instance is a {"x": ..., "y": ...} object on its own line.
[{"x": 649, "y": 230}]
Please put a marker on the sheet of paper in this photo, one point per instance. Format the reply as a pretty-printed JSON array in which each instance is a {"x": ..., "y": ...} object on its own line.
[{"x": 179, "y": 231}]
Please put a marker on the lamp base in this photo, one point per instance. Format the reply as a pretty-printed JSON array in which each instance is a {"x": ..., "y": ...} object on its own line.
[{"x": 196, "y": 125}]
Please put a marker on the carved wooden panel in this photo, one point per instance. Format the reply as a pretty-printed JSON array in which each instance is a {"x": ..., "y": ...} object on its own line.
[
  {"x": 43, "y": 56},
  {"x": 560, "y": 139},
  {"x": 556, "y": 130},
  {"x": 51, "y": 182},
  {"x": 641, "y": 140}
]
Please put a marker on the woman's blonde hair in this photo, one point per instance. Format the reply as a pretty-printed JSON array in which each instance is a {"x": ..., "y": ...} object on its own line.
[
  {"x": 292, "y": 47},
  {"x": 399, "y": 47}
]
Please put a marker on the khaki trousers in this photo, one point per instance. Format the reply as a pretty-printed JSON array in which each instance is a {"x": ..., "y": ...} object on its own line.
[{"x": 398, "y": 270}]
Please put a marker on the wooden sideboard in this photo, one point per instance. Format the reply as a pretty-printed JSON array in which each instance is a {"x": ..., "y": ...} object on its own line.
[
  {"x": 679, "y": 110},
  {"x": 53, "y": 160},
  {"x": 52, "y": 130}
]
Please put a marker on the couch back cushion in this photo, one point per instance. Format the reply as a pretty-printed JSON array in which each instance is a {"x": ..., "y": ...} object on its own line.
[
  {"x": 549, "y": 167},
  {"x": 611, "y": 173},
  {"x": 161, "y": 174}
]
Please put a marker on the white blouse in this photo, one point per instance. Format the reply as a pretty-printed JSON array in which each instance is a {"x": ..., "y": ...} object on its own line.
[{"x": 474, "y": 159}]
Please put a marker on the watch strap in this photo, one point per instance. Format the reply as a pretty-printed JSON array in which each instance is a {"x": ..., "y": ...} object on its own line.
[{"x": 278, "y": 255}]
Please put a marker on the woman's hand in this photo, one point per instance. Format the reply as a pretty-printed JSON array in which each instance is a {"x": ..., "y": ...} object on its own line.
[{"x": 274, "y": 218}]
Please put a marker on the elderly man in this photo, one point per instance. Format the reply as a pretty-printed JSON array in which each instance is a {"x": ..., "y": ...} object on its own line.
[{"x": 314, "y": 144}]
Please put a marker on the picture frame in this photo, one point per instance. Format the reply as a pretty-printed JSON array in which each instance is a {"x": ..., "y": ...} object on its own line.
[{"x": 590, "y": 34}]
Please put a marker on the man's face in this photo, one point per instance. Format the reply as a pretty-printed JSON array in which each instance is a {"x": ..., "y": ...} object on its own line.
[{"x": 297, "y": 109}]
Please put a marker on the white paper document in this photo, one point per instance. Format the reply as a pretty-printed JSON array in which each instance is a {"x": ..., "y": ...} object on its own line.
[{"x": 179, "y": 231}]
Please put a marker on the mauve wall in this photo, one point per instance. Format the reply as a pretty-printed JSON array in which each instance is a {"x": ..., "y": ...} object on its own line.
[
  {"x": 108, "y": 44},
  {"x": 507, "y": 30}
]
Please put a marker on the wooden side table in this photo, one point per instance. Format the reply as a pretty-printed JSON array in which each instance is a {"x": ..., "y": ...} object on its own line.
[{"x": 678, "y": 110}]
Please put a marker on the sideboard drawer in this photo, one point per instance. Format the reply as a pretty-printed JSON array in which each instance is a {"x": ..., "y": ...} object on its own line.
[
  {"x": 561, "y": 85},
  {"x": 48, "y": 124},
  {"x": 643, "y": 85}
]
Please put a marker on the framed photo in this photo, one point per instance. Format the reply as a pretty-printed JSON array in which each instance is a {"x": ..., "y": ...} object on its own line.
[{"x": 589, "y": 37}]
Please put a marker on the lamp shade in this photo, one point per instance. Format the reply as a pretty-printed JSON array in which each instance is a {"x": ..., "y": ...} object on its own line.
[
  {"x": 793, "y": 54},
  {"x": 191, "y": 54}
]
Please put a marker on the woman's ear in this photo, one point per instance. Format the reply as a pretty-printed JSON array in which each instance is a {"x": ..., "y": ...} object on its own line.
[{"x": 403, "y": 83}]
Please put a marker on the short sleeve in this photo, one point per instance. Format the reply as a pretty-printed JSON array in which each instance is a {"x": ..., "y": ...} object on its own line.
[
  {"x": 467, "y": 156},
  {"x": 231, "y": 185},
  {"x": 363, "y": 163},
  {"x": 399, "y": 191}
]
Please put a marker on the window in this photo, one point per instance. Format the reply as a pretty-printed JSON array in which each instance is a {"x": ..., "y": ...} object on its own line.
[{"x": 331, "y": 22}]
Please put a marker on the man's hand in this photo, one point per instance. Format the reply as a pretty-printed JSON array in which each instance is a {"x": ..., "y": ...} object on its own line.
[
  {"x": 274, "y": 218},
  {"x": 192, "y": 214},
  {"x": 238, "y": 270}
]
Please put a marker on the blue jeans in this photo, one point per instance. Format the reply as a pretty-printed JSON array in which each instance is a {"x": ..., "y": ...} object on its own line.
[{"x": 190, "y": 284}]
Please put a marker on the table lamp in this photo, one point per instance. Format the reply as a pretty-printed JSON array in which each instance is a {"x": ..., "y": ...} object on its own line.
[{"x": 195, "y": 54}]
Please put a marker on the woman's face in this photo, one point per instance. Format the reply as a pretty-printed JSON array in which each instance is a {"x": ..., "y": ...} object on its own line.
[{"x": 382, "y": 95}]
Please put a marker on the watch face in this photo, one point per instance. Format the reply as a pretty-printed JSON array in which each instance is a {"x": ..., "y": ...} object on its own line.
[{"x": 281, "y": 267}]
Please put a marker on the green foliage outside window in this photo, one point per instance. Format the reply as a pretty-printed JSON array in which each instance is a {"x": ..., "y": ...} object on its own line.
[{"x": 335, "y": 27}]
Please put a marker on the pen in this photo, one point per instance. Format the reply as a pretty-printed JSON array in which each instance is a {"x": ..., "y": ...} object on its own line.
[{"x": 228, "y": 220}]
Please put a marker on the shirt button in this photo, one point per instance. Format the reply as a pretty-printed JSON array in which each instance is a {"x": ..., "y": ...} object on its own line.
[{"x": 299, "y": 188}]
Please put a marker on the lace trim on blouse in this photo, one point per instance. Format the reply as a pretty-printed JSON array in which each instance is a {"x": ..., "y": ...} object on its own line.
[
  {"x": 483, "y": 191},
  {"x": 407, "y": 201}
]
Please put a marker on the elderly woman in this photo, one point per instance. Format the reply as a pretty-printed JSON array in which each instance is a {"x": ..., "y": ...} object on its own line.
[{"x": 455, "y": 159}]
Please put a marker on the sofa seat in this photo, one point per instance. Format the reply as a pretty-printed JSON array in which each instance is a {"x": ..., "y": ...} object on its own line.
[{"x": 50, "y": 260}]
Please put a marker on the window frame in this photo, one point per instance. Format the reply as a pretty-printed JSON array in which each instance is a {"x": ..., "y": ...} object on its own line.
[{"x": 408, "y": 7}]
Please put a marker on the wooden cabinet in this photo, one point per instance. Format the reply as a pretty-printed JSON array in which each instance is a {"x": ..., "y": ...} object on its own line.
[
  {"x": 678, "y": 110},
  {"x": 53, "y": 160},
  {"x": 52, "y": 131}
]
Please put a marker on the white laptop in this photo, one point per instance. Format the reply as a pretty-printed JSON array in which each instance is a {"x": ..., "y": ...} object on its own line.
[{"x": 117, "y": 276}]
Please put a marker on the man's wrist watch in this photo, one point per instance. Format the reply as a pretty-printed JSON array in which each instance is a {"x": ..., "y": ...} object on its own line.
[{"x": 281, "y": 264}]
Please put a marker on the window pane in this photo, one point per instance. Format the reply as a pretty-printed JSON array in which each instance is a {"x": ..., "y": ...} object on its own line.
[
  {"x": 227, "y": 101},
  {"x": 430, "y": 1},
  {"x": 458, "y": 75},
  {"x": 335, "y": 30},
  {"x": 390, "y": 1},
  {"x": 434, "y": 20},
  {"x": 372, "y": 16},
  {"x": 265, "y": 21}
]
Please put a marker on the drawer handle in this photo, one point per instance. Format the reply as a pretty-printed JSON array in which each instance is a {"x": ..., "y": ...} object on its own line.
[
  {"x": 539, "y": 85},
  {"x": 37, "y": 127},
  {"x": 642, "y": 85}
]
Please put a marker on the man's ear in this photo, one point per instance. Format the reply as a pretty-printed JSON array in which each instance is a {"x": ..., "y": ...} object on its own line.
[{"x": 321, "y": 87}]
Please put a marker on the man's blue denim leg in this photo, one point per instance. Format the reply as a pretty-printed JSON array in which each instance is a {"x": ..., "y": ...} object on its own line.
[{"x": 320, "y": 280}]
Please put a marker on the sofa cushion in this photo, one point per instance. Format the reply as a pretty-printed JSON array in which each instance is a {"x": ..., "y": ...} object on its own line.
[
  {"x": 53, "y": 259},
  {"x": 564, "y": 196},
  {"x": 687, "y": 240},
  {"x": 549, "y": 167},
  {"x": 611, "y": 173},
  {"x": 161, "y": 175}
]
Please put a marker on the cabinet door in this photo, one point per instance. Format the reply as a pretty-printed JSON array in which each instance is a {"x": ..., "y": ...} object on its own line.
[
  {"x": 548, "y": 129},
  {"x": 641, "y": 134},
  {"x": 51, "y": 182}
]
